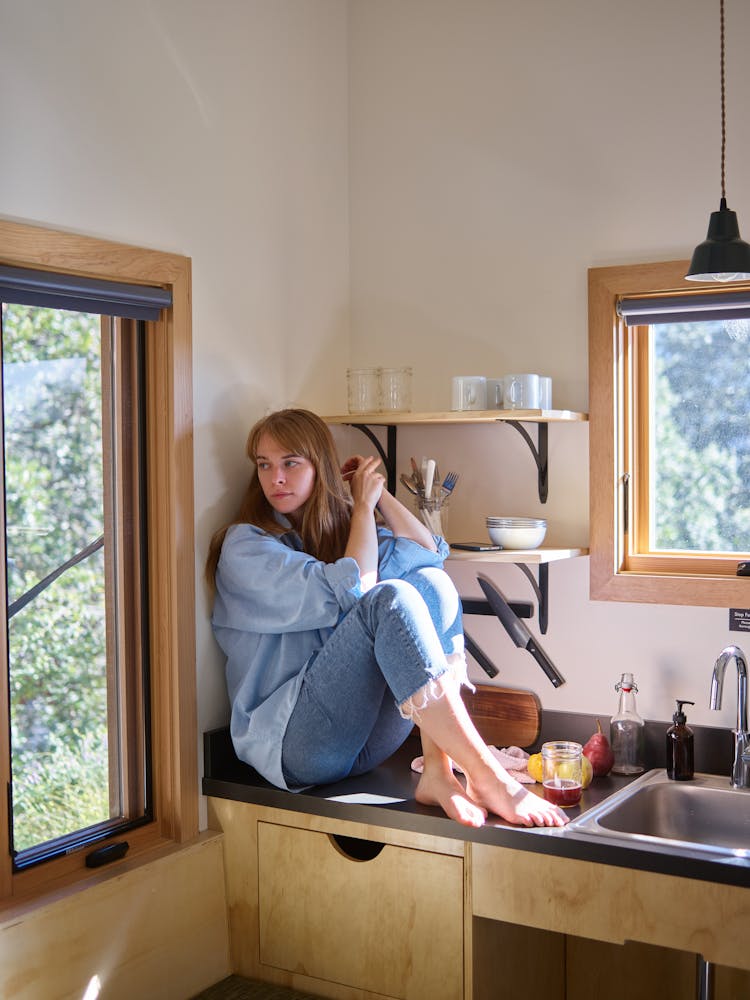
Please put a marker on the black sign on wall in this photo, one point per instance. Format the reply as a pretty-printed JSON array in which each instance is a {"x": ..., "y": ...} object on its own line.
[{"x": 739, "y": 619}]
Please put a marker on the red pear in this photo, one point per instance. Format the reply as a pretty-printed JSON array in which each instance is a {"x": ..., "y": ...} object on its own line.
[{"x": 599, "y": 752}]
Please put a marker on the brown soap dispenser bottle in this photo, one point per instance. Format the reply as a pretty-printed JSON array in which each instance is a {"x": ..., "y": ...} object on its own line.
[{"x": 680, "y": 745}]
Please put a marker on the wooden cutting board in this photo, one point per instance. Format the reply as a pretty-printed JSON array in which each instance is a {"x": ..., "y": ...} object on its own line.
[{"x": 504, "y": 717}]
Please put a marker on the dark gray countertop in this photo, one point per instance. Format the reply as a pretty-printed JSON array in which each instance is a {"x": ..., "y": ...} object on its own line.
[{"x": 227, "y": 777}]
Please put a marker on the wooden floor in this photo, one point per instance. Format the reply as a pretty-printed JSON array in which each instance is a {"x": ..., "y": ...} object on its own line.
[{"x": 238, "y": 988}]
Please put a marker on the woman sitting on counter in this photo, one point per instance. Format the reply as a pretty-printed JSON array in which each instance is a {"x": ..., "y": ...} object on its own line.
[{"x": 342, "y": 630}]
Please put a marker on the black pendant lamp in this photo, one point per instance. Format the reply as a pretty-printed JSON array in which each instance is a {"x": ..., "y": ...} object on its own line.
[{"x": 722, "y": 256}]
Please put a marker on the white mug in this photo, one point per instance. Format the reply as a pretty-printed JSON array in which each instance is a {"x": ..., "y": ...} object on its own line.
[
  {"x": 469, "y": 392},
  {"x": 545, "y": 392},
  {"x": 495, "y": 391},
  {"x": 521, "y": 392}
]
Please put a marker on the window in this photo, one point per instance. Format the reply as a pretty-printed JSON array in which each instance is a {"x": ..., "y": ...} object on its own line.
[
  {"x": 98, "y": 649},
  {"x": 670, "y": 445},
  {"x": 75, "y": 571}
]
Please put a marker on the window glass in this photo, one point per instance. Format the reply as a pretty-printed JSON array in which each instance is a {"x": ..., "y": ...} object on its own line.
[
  {"x": 699, "y": 449},
  {"x": 65, "y": 763}
]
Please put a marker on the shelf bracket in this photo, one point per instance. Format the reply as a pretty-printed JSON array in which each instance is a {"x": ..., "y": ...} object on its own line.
[
  {"x": 539, "y": 451},
  {"x": 541, "y": 589},
  {"x": 387, "y": 454}
]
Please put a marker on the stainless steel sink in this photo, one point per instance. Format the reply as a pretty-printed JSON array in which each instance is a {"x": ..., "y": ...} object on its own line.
[{"x": 705, "y": 814}]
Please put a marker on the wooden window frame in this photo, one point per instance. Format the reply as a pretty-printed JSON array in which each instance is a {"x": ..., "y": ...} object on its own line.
[
  {"x": 616, "y": 425},
  {"x": 170, "y": 541},
  {"x": 122, "y": 407}
]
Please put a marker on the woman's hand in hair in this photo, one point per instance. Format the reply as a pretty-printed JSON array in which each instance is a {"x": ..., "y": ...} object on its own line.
[
  {"x": 365, "y": 482},
  {"x": 350, "y": 466}
]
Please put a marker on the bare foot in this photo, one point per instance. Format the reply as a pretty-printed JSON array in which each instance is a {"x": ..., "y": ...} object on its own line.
[
  {"x": 514, "y": 803},
  {"x": 446, "y": 791},
  {"x": 448, "y": 732}
]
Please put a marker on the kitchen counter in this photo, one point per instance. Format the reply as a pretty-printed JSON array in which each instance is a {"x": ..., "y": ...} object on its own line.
[
  {"x": 435, "y": 903},
  {"x": 385, "y": 798}
]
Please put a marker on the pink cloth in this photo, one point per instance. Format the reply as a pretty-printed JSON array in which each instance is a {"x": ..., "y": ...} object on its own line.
[{"x": 513, "y": 759}]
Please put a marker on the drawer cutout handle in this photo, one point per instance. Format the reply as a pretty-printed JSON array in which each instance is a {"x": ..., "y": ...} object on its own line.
[{"x": 355, "y": 848}]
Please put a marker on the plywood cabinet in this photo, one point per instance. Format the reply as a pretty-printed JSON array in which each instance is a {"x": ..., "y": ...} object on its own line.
[
  {"x": 393, "y": 913},
  {"x": 392, "y": 924},
  {"x": 307, "y": 911}
]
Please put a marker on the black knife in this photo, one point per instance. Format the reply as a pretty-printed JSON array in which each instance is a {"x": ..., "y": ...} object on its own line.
[
  {"x": 480, "y": 656},
  {"x": 517, "y": 630}
]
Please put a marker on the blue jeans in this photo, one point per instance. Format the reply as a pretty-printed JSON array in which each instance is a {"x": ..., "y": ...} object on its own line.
[{"x": 387, "y": 648}]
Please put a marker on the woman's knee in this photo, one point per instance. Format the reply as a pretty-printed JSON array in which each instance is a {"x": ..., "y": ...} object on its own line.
[
  {"x": 389, "y": 595},
  {"x": 432, "y": 580},
  {"x": 425, "y": 601},
  {"x": 439, "y": 593},
  {"x": 396, "y": 604}
]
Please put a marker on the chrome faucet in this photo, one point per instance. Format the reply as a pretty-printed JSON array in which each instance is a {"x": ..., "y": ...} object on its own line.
[{"x": 740, "y": 776}]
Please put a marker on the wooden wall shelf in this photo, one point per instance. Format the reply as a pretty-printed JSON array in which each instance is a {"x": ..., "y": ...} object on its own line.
[
  {"x": 514, "y": 418},
  {"x": 398, "y": 418},
  {"x": 525, "y": 556}
]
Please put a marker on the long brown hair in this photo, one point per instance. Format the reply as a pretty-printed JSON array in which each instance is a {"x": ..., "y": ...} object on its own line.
[{"x": 327, "y": 514}]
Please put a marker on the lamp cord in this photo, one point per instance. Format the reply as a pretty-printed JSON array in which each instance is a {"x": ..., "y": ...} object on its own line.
[{"x": 723, "y": 113}]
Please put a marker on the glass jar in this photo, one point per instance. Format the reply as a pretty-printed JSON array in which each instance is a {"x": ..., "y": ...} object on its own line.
[
  {"x": 395, "y": 389},
  {"x": 562, "y": 772},
  {"x": 433, "y": 514},
  {"x": 363, "y": 390}
]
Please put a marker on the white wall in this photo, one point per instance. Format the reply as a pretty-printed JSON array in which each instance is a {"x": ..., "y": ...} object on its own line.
[
  {"x": 498, "y": 150},
  {"x": 217, "y": 130},
  {"x": 446, "y": 170}
]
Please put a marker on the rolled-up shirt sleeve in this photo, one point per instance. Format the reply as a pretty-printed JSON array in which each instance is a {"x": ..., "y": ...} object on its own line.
[
  {"x": 398, "y": 556},
  {"x": 275, "y": 588}
]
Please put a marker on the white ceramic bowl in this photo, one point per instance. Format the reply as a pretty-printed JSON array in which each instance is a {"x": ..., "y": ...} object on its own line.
[
  {"x": 515, "y": 522},
  {"x": 530, "y": 537}
]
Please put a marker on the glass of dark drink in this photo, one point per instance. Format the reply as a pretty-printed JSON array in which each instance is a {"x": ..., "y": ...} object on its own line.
[{"x": 562, "y": 772}]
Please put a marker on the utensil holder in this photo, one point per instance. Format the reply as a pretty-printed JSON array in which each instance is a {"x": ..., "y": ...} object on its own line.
[{"x": 432, "y": 514}]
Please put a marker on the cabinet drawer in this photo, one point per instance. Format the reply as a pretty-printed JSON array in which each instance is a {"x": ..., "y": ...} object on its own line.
[{"x": 392, "y": 925}]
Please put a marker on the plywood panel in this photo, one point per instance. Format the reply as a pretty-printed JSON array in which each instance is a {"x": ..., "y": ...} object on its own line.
[
  {"x": 512, "y": 962},
  {"x": 731, "y": 984},
  {"x": 239, "y": 821},
  {"x": 156, "y": 931},
  {"x": 624, "y": 972},
  {"x": 391, "y": 925},
  {"x": 613, "y": 904}
]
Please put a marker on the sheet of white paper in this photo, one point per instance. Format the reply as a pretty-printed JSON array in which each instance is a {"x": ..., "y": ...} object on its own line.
[{"x": 364, "y": 799}]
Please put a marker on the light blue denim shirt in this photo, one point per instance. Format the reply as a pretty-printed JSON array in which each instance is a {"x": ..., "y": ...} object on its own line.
[{"x": 275, "y": 607}]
